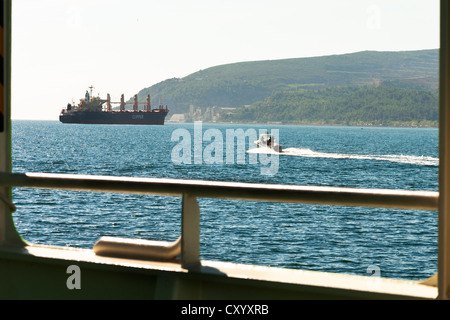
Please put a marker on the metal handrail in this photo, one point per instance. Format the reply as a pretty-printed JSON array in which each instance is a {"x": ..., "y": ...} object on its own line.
[
  {"x": 189, "y": 190},
  {"x": 385, "y": 198}
]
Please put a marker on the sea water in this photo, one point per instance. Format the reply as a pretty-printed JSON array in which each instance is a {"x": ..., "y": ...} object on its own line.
[{"x": 353, "y": 240}]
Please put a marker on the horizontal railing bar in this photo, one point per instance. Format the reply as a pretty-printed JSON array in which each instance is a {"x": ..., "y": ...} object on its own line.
[{"x": 383, "y": 198}]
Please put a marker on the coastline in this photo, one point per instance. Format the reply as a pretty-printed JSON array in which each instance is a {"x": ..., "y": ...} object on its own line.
[{"x": 433, "y": 125}]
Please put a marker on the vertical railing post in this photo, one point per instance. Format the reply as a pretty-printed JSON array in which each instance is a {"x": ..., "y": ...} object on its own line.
[
  {"x": 444, "y": 155},
  {"x": 190, "y": 232},
  {"x": 8, "y": 233}
]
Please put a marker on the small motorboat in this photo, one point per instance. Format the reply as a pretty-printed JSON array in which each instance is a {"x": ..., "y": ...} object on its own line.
[{"x": 267, "y": 141}]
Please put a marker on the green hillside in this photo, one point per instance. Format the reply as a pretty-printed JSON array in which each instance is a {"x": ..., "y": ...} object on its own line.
[
  {"x": 245, "y": 83},
  {"x": 349, "y": 105}
]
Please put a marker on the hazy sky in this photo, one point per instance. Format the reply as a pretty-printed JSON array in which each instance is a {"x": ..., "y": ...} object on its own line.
[{"x": 61, "y": 47}]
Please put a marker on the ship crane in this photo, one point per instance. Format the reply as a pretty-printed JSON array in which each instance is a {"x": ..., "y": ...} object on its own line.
[
  {"x": 91, "y": 87},
  {"x": 135, "y": 103}
]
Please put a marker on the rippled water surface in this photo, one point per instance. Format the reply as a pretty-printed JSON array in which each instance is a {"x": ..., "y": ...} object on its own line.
[{"x": 401, "y": 243}]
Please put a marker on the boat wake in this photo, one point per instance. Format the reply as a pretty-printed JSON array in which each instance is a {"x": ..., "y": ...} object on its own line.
[
  {"x": 265, "y": 150},
  {"x": 304, "y": 152}
]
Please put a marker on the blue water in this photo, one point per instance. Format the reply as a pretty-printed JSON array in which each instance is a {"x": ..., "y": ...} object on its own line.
[{"x": 401, "y": 243}]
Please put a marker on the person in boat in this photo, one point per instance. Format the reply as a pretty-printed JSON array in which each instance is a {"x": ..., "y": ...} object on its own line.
[{"x": 269, "y": 141}]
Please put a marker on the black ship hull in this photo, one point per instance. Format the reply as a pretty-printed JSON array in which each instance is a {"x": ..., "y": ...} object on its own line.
[{"x": 155, "y": 117}]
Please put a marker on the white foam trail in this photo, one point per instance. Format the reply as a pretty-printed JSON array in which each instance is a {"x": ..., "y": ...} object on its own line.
[
  {"x": 303, "y": 152},
  {"x": 264, "y": 150}
]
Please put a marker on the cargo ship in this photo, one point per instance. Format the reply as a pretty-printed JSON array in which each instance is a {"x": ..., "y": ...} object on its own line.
[{"x": 94, "y": 110}]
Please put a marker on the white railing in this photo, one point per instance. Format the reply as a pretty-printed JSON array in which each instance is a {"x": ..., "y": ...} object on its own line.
[{"x": 189, "y": 190}]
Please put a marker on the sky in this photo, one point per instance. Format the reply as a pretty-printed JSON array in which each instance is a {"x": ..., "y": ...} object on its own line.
[{"x": 61, "y": 47}]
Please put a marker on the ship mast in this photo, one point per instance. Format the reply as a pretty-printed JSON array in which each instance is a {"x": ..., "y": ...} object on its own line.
[{"x": 91, "y": 87}]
